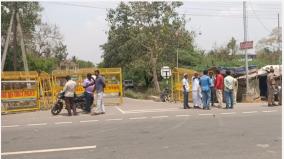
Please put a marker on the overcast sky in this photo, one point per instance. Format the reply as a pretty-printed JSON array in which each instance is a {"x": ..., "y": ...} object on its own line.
[{"x": 84, "y": 27}]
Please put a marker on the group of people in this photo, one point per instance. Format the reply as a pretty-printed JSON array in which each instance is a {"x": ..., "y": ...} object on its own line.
[
  {"x": 206, "y": 87},
  {"x": 94, "y": 87}
]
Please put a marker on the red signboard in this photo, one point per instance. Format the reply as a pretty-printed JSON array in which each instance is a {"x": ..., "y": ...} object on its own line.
[
  {"x": 18, "y": 94},
  {"x": 246, "y": 45}
]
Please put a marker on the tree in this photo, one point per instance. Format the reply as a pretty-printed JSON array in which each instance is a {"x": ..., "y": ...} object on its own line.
[
  {"x": 142, "y": 36},
  {"x": 271, "y": 42},
  {"x": 29, "y": 13},
  {"x": 232, "y": 45},
  {"x": 47, "y": 40}
]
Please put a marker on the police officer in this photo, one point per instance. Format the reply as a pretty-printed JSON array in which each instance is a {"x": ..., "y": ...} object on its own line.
[{"x": 271, "y": 86}]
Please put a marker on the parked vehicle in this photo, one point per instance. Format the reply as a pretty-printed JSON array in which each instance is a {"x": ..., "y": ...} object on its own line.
[
  {"x": 79, "y": 102},
  {"x": 165, "y": 95}
]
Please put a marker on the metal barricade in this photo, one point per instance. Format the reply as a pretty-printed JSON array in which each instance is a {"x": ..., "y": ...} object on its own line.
[
  {"x": 113, "y": 79},
  {"x": 176, "y": 84},
  {"x": 19, "y": 91}
]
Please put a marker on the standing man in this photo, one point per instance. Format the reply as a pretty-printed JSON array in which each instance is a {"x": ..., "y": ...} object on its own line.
[
  {"x": 89, "y": 85},
  {"x": 271, "y": 85},
  {"x": 212, "y": 91},
  {"x": 69, "y": 92},
  {"x": 229, "y": 85},
  {"x": 205, "y": 84},
  {"x": 185, "y": 86},
  {"x": 196, "y": 92},
  {"x": 219, "y": 86},
  {"x": 99, "y": 87}
]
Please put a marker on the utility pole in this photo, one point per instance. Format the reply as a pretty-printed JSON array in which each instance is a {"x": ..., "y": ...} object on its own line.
[
  {"x": 15, "y": 17},
  {"x": 15, "y": 38},
  {"x": 245, "y": 39}
]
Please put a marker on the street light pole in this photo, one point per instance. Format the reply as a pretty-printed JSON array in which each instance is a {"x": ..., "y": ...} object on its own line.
[{"x": 245, "y": 39}]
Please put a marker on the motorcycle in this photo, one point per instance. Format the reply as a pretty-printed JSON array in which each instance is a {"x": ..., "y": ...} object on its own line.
[
  {"x": 79, "y": 102},
  {"x": 165, "y": 95}
]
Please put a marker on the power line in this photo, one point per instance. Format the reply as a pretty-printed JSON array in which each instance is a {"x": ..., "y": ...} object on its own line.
[
  {"x": 259, "y": 19},
  {"x": 186, "y": 13}
]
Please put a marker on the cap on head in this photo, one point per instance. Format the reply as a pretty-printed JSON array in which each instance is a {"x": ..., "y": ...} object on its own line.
[{"x": 185, "y": 74}]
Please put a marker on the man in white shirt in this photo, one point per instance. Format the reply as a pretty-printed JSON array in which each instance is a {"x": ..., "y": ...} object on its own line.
[
  {"x": 185, "y": 86},
  {"x": 196, "y": 91},
  {"x": 69, "y": 92},
  {"x": 228, "y": 91}
]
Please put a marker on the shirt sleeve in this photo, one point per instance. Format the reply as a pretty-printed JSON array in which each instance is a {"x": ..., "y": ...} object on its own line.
[
  {"x": 65, "y": 87},
  {"x": 84, "y": 83}
]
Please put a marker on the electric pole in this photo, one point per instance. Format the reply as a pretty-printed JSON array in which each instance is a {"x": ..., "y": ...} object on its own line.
[
  {"x": 245, "y": 39},
  {"x": 15, "y": 38}
]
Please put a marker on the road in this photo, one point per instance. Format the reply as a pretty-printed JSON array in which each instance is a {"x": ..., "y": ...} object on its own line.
[{"x": 146, "y": 130}]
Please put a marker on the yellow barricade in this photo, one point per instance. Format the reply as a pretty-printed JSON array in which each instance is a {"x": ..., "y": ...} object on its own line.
[
  {"x": 19, "y": 91},
  {"x": 176, "y": 84},
  {"x": 45, "y": 90},
  {"x": 113, "y": 79}
]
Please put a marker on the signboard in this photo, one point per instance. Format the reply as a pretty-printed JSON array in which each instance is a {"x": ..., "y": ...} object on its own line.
[
  {"x": 166, "y": 72},
  {"x": 12, "y": 94},
  {"x": 246, "y": 45}
]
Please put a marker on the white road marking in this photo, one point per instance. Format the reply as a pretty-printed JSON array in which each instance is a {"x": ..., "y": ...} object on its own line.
[
  {"x": 88, "y": 121},
  {"x": 123, "y": 112},
  {"x": 262, "y": 145},
  {"x": 37, "y": 124},
  {"x": 182, "y": 115},
  {"x": 57, "y": 123},
  {"x": 228, "y": 113},
  {"x": 155, "y": 117},
  {"x": 250, "y": 112},
  {"x": 113, "y": 119},
  {"x": 269, "y": 111},
  {"x": 10, "y": 126},
  {"x": 205, "y": 114},
  {"x": 151, "y": 110},
  {"x": 143, "y": 117},
  {"x": 48, "y": 150}
]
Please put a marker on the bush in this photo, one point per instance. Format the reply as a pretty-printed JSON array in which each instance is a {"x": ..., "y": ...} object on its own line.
[{"x": 136, "y": 95}]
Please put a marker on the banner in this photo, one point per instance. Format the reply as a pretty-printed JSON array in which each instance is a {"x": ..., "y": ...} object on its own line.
[{"x": 16, "y": 94}]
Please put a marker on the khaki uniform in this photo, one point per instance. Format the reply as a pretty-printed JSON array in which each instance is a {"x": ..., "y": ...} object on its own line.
[{"x": 271, "y": 87}]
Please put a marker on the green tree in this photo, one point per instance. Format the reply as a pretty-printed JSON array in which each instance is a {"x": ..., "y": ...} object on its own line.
[
  {"x": 29, "y": 13},
  {"x": 232, "y": 45},
  {"x": 142, "y": 37}
]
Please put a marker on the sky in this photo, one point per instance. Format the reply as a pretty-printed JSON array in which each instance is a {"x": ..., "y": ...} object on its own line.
[{"x": 84, "y": 27}]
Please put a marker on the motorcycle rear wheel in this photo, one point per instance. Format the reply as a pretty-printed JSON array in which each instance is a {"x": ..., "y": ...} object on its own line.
[{"x": 56, "y": 109}]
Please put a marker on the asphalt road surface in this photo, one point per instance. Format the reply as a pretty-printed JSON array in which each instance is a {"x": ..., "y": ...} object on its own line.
[{"x": 146, "y": 130}]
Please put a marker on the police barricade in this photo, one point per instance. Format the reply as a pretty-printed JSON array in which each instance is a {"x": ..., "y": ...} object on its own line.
[
  {"x": 113, "y": 79},
  {"x": 45, "y": 90},
  {"x": 176, "y": 84},
  {"x": 19, "y": 91}
]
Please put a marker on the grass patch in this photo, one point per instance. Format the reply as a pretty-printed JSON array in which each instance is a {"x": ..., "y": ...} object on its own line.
[{"x": 139, "y": 94}]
